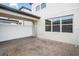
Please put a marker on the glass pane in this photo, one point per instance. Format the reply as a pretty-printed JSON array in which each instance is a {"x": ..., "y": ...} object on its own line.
[
  {"x": 47, "y": 28},
  {"x": 56, "y": 22},
  {"x": 66, "y": 28},
  {"x": 67, "y": 20},
  {"x": 56, "y": 28},
  {"x": 37, "y": 7},
  {"x": 43, "y": 5},
  {"x": 47, "y": 22},
  {"x": 67, "y": 17}
]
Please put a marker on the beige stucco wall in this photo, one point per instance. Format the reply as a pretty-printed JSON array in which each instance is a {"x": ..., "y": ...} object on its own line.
[{"x": 56, "y": 10}]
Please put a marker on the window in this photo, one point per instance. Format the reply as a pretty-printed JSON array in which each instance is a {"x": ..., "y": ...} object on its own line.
[
  {"x": 37, "y": 7},
  {"x": 67, "y": 22},
  {"x": 47, "y": 25},
  {"x": 56, "y": 25},
  {"x": 43, "y": 5},
  {"x": 48, "y": 28},
  {"x": 47, "y": 22},
  {"x": 66, "y": 28}
]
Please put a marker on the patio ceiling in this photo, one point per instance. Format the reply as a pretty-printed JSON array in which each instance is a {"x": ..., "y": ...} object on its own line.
[{"x": 6, "y": 11}]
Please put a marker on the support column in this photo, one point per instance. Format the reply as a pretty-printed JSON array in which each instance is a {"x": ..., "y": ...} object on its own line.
[{"x": 34, "y": 29}]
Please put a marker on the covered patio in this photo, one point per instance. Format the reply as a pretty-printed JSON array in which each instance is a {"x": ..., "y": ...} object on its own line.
[
  {"x": 32, "y": 46},
  {"x": 11, "y": 13}
]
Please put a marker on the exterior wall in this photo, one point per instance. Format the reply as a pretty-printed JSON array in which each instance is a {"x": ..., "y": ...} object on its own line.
[
  {"x": 56, "y": 10},
  {"x": 9, "y": 32}
]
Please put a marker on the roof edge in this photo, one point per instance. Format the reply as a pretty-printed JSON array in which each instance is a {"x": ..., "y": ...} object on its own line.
[{"x": 17, "y": 11}]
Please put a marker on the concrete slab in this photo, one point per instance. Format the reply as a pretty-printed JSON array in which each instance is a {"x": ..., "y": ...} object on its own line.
[{"x": 37, "y": 47}]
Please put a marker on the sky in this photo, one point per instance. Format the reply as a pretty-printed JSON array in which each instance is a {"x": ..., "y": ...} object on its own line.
[{"x": 18, "y": 5}]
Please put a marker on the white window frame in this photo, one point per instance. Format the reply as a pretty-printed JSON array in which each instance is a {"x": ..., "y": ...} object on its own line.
[
  {"x": 48, "y": 25},
  {"x": 60, "y": 18}
]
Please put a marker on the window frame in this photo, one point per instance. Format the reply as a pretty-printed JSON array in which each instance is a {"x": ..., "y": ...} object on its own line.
[
  {"x": 55, "y": 24},
  {"x": 68, "y": 24},
  {"x": 47, "y": 25},
  {"x": 61, "y": 24}
]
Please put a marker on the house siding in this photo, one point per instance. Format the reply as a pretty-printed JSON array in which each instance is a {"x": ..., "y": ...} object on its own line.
[{"x": 57, "y": 10}]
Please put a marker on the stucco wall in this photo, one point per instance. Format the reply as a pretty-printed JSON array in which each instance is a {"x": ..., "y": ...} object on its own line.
[{"x": 56, "y": 10}]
